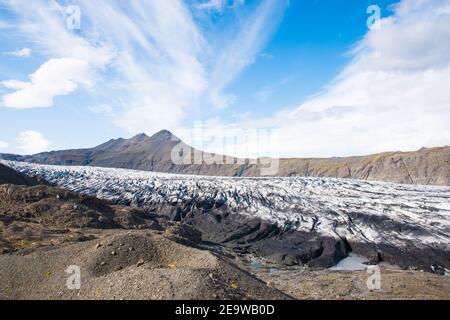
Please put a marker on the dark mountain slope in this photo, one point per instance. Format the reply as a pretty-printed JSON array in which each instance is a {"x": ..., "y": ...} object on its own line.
[{"x": 140, "y": 152}]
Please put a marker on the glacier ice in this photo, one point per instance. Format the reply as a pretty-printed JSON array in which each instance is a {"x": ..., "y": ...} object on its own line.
[{"x": 349, "y": 209}]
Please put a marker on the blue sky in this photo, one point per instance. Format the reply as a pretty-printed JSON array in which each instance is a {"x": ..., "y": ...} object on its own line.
[{"x": 310, "y": 71}]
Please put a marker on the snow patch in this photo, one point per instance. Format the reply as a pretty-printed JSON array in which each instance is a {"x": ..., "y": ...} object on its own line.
[{"x": 353, "y": 262}]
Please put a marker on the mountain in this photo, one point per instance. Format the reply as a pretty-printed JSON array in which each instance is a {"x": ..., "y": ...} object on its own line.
[
  {"x": 425, "y": 166},
  {"x": 140, "y": 151}
]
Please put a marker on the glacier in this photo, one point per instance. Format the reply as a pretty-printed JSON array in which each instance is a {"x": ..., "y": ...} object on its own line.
[{"x": 357, "y": 211}]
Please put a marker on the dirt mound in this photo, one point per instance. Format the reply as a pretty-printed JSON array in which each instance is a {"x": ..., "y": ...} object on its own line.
[
  {"x": 156, "y": 252},
  {"x": 40, "y": 215},
  {"x": 155, "y": 268},
  {"x": 57, "y": 207},
  {"x": 10, "y": 176}
]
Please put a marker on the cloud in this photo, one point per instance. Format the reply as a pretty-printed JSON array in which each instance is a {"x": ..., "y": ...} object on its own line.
[
  {"x": 149, "y": 49},
  {"x": 156, "y": 58},
  {"x": 244, "y": 48},
  {"x": 267, "y": 92},
  {"x": 266, "y": 56},
  {"x": 3, "y": 145},
  {"x": 102, "y": 109},
  {"x": 264, "y": 94},
  {"x": 219, "y": 5},
  {"x": 56, "y": 77},
  {"x": 5, "y": 25},
  {"x": 212, "y": 5},
  {"x": 20, "y": 53},
  {"x": 31, "y": 142},
  {"x": 158, "y": 61},
  {"x": 392, "y": 96},
  {"x": 43, "y": 23}
]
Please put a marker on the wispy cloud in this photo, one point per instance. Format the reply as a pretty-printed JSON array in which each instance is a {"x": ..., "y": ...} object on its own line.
[
  {"x": 43, "y": 24},
  {"x": 218, "y": 5},
  {"x": 268, "y": 91},
  {"x": 103, "y": 109},
  {"x": 392, "y": 96},
  {"x": 151, "y": 57},
  {"x": 244, "y": 48},
  {"x": 20, "y": 53},
  {"x": 149, "y": 48},
  {"x": 5, "y": 25},
  {"x": 158, "y": 46}
]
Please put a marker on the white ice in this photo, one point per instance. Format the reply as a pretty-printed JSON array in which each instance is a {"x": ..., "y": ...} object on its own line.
[{"x": 335, "y": 207}]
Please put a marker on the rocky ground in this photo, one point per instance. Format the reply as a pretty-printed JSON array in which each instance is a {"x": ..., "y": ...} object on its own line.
[
  {"x": 123, "y": 252},
  {"x": 352, "y": 285},
  {"x": 39, "y": 216},
  {"x": 128, "y": 265},
  {"x": 149, "y": 264}
]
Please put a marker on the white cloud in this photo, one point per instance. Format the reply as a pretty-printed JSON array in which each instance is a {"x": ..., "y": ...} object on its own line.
[
  {"x": 20, "y": 53},
  {"x": 3, "y": 145},
  {"x": 56, "y": 77},
  {"x": 150, "y": 48},
  {"x": 393, "y": 95},
  {"x": 102, "y": 109},
  {"x": 219, "y": 5},
  {"x": 160, "y": 62},
  {"x": 242, "y": 51},
  {"x": 160, "y": 72},
  {"x": 5, "y": 25},
  {"x": 212, "y": 5},
  {"x": 156, "y": 55},
  {"x": 43, "y": 23},
  {"x": 263, "y": 94},
  {"x": 266, "y": 56},
  {"x": 267, "y": 92},
  {"x": 31, "y": 142}
]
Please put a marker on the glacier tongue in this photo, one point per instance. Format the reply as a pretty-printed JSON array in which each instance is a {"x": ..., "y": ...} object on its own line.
[{"x": 363, "y": 211}]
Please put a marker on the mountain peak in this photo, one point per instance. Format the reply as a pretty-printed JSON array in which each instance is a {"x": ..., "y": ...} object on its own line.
[
  {"x": 163, "y": 133},
  {"x": 140, "y": 137},
  {"x": 160, "y": 134}
]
